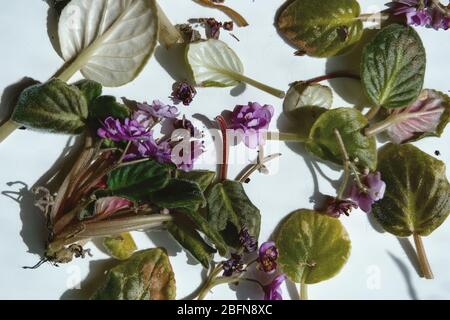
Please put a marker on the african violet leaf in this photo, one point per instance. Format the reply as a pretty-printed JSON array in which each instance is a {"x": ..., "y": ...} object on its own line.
[
  {"x": 137, "y": 181},
  {"x": 417, "y": 197},
  {"x": 53, "y": 106},
  {"x": 204, "y": 178},
  {"x": 186, "y": 235},
  {"x": 427, "y": 116},
  {"x": 109, "y": 41},
  {"x": 146, "y": 275},
  {"x": 321, "y": 28},
  {"x": 393, "y": 67},
  {"x": 107, "y": 106},
  {"x": 312, "y": 247},
  {"x": 214, "y": 64},
  {"x": 90, "y": 89},
  {"x": 350, "y": 123},
  {"x": 228, "y": 205},
  {"x": 120, "y": 247},
  {"x": 178, "y": 193}
]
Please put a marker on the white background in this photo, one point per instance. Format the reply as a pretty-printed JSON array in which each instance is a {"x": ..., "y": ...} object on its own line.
[{"x": 378, "y": 267}]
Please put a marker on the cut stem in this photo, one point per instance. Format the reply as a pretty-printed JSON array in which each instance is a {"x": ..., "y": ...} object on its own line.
[
  {"x": 261, "y": 86},
  {"x": 7, "y": 128},
  {"x": 303, "y": 294},
  {"x": 284, "y": 136},
  {"x": 224, "y": 165},
  {"x": 422, "y": 256},
  {"x": 168, "y": 34},
  {"x": 372, "y": 112},
  {"x": 256, "y": 166},
  {"x": 381, "y": 126},
  {"x": 334, "y": 75}
]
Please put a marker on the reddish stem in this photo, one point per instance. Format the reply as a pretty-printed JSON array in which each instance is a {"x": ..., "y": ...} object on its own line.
[
  {"x": 334, "y": 75},
  {"x": 224, "y": 165}
]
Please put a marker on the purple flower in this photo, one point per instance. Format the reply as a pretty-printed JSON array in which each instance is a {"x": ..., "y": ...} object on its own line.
[
  {"x": 149, "y": 148},
  {"x": 253, "y": 120},
  {"x": 337, "y": 207},
  {"x": 374, "y": 191},
  {"x": 156, "y": 110},
  {"x": 187, "y": 125},
  {"x": 129, "y": 130},
  {"x": 268, "y": 254},
  {"x": 272, "y": 291},
  {"x": 183, "y": 92},
  {"x": 248, "y": 242},
  {"x": 213, "y": 28},
  {"x": 233, "y": 265},
  {"x": 186, "y": 153}
]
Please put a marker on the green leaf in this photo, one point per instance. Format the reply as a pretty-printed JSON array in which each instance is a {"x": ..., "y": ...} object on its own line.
[
  {"x": 350, "y": 123},
  {"x": 147, "y": 275},
  {"x": 53, "y": 106},
  {"x": 417, "y": 197},
  {"x": 228, "y": 204},
  {"x": 90, "y": 89},
  {"x": 322, "y": 28},
  {"x": 205, "y": 227},
  {"x": 120, "y": 247},
  {"x": 312, "y": 247},
  {"x": 393, "y": 67},
  {"x": 190, "y": 240},
  {"x": 204, "y": 178},
  {"x": 179, "y": 193},
  {"x": 137, "y": 181},
  {"x": 304, "y": 103},
  {"x": 107, "y": 106},
  {"x": 213, "y": 63}
]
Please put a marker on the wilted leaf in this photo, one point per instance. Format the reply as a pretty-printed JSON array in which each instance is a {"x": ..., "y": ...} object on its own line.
[
  {"x": 312, "y": 247},
  {"x": 137, "y": 181},
  {"x": 120, "y": 247},
  {"x": 147, "y": 275},
  {"x": 350, "y": 123},
  {"x": 393, "y": 67},
  {"x": 321, "y": 28},
  {"x": 53, "y": 106},
  {"x": 417, "y": 197},
  {"x": 427, "y": 116}
]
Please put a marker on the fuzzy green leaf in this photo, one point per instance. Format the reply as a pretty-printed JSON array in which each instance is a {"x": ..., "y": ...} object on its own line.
[
  {"x": 417, "y": 197},
  {"x": 90, "y": 89},
  {"x": 204, "y": 178},
  {"x": 53, "y": 106},
  {"x": 179, "y": 193},
  {"x": 393, "y": 67},
  {"x": 107, "y": 106},
  {"x": 147, "y": 275},
  {"x": 312, "y": 247},
  {"x": 321, "y": 28},
  {"x": 350, "y": 123}
]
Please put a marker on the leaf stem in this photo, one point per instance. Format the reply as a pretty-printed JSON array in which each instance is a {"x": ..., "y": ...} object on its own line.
[
  {"x": 261, "y": 86},
  {"x": 224, "y": 165},
  {"x": 422, "y": 256},
  {"x": 284, "y": 136},
  {"x": 372, "y": 112},
  {"x": 303, "y": 294},
  {"x": 380, "y": 126},
  {"x": 7, "y": 128},
  {"x": 256, "y": 166},
  {"x": 168, "y": 34},
  {"x": 334, "y": 75}
]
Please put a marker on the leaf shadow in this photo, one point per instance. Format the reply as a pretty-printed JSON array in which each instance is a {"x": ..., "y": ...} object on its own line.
[
  {"x": 34, "y": 230},
  {"x": 410, "y": 253},
  {"x": 10, "y": 96},
  {"x": 173, "y": 61},
  {"x": 94, "y": 279},
  {"x": 164, "y": 239},
  {"x": 52, "y": 26},
  {"x": 406, "y": 274}
]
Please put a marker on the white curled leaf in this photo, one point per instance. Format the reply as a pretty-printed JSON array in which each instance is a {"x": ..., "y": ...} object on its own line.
[
  {"x": 109, "y": 41},
  {"x": 427, "y": 116},
  {"x": 214, "y": 64},
  {"x": 303, "y": 94}
]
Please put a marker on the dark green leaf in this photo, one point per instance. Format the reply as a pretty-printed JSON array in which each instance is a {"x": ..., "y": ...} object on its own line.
[
  {"x": 190, "y": 240},
  {"x": 53, "y": 106},
  {"x": 321, "y": 28},
  {"x": 179, "y": 193},
  {"x": 417, "y": 197},
  {"x": 312, "y": 247},
  {"x": 204, "y": 178},
  {"x": 228, "y": 204},
  {"x": 393, "y": 67},
  {"x": 137, "y": 181},
  {"x": 107, "y": 106},
  {"x": 349, "y": 122},
  {"x": 147, "y": 275},
  {"x": 90, "y": 89}
]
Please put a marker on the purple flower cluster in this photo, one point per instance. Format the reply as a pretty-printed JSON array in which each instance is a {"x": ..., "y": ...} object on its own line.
[
  {"x": 428, "y": 14},
  {"x": 233, "y": 265},
  {"x": 129, "y": 130},
  {"x": 268, "y": 255},
  {"x": 253, "y": 121},
  {"x": 183, "y": 92},
  {"x": 374, "y": 191},
  {"x": 337, "y": 207},
  {"x": 248, "y": 242}
]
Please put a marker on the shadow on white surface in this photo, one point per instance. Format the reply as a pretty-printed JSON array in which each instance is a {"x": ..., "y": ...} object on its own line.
[{"x": 406, "y": 274}]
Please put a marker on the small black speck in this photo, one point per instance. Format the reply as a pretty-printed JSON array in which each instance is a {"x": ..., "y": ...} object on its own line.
[
  {"x": 247, "y": 180},
  {"x": 437, "y": 153}
]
